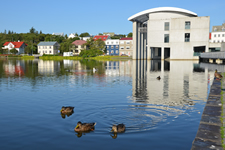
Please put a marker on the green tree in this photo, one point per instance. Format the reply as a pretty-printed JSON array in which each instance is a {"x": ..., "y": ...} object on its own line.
[
  {"x": 84, "y": 34},
  {"x": 13, "y": 51},
  {"x": 98, "y": 44},
  {"x": 100, "y": 34},
  {"x": 32, "y": 30},
  {"x": 130, "y": 34}
]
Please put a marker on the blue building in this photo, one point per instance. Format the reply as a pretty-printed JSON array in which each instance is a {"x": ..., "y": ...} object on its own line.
[{"x": 112, "y": 46}]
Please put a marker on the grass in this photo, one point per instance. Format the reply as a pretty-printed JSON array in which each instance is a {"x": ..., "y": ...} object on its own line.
[{"x": 99, "y": 58}]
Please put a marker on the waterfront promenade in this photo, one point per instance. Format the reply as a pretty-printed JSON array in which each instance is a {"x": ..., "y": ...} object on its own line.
[{"x": 209, "y": 132}]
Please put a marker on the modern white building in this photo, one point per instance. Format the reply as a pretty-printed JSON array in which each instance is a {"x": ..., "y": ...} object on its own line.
[
  {"x": 48, "y": 48},
  {"x": 169, "y": 32}
]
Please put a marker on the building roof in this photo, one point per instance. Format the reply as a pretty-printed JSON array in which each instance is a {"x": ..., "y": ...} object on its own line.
[
  {"x": 47, "y": 43},
  {"x": 143, "y": 16},
  {"x": 127, "y": 38},
  {"x": 219, "y": 28},
  {"x": 16, "y": 44},
  {"x": 79, "y": 42},
  {"x": 102, "y": 37}
]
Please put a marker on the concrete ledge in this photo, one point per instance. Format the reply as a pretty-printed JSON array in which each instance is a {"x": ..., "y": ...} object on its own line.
[{"x": 208, "y": 135}]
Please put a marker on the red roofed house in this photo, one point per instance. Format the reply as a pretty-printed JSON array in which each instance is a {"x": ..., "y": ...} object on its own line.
[
  {"x": 102, "y": 37},
  {"x": 19, "y": 46},
  {"x": 126, "y": 46},
  {"x": 78, "y": 46}
]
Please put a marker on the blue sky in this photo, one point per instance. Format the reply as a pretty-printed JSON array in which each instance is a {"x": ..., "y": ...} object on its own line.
[{"x": 92, "y": 16}]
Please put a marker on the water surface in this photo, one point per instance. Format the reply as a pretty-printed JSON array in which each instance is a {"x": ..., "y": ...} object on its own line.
[{"x": 158, "y": 114}]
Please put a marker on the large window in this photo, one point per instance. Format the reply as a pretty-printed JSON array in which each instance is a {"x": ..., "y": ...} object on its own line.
[
  {"x": 187, "y": 24},
  {"x": 167, "y": 26},
  {"x": 187, "y": 37},
  {"x": 166, "y": 38}
]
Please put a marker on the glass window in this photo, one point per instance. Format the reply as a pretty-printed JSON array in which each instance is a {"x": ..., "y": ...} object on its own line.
[
  {"x": 121, "y": 47},
  {"x": 187, "y": 37},
  {"x": 214, "y": 35},
  {"x": 39, "y": 52},
  {"x": 223, "y": 35},
  {"x": 45, "y": 51},
  {"x": 215, "y": 29},
  {"x": 107, "y": 42},
  {"x": 167, "y": 26},
  {"x": 50, "y": 47},
  {"x": 187, "y": 24},
  {"x": 112, "y": 46},
  {"x": 111, "y": 42},
  {"x": 117, "y": 46},
  {"x": 128, "y": 42},
  {"x": 112, "y": 51},
  {"x": 128, "y": 47},
  {"x": 218, "y": 35},
  {"x": 122, "y": 42},
  {"x": 117, "y": 51},
  {"x": 50, "y": 51},
  {"x": 166, "y": 38},
  {"x": 107, "y": 47}
]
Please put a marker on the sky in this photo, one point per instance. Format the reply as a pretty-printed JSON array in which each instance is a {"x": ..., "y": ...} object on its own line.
[{"x": 92, "y": 16}]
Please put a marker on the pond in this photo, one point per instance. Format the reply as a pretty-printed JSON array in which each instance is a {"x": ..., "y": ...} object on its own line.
[{"x": 158, "y": 114}]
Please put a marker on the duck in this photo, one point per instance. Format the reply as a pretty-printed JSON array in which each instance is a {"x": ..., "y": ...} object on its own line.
[
  {"x": 217, "y": 75},
  {"x": 118, "y": 128},
  {"x": 82, "y": 127},
  {"x": 94, "y": 70},
  {"x": 66, "y": 110},
  {"x": 158, "y": 78}
]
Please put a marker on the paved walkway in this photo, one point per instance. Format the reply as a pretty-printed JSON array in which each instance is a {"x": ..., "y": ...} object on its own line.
[{"x": 208, "y": 136}]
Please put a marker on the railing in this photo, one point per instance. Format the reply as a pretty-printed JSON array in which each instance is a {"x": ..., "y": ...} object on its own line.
[{"x": 215, "y": 55}]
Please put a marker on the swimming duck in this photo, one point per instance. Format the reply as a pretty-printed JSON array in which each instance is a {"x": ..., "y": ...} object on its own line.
[
  {"x": 217, "y": 75},
  {"x": 158, "y": 78},
  {"x": 118, "y": 128},
  {"x": 66, "y": 110},
  {"x": 81, "y": 127}
]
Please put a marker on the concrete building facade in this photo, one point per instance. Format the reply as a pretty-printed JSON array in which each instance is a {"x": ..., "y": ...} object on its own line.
[
  {"x": 169, "y": 33},
  {"x": 126, "y": 46}
]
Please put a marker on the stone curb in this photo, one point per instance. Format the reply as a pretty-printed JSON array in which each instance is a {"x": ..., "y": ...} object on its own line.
[{"x": 208, "y": 136}]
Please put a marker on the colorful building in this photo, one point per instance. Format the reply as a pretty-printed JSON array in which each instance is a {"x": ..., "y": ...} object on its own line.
[
  {"x": 19, "y": 46},
  {"x": 126, "y": 46},
  {"x": 112, "y": 46}
]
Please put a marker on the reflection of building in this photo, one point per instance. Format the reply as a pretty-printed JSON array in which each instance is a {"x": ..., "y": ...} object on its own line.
[
  {"x": 118, "y": 68},
  {"x": 14, "y": 69},
  {"x": 48, "y": 67},
  {"x": 168, "y": 32},
  {"x": 112, "y": 46},
  {"x": 180, "y": 82},
  {"x": 126, "y": 46}
]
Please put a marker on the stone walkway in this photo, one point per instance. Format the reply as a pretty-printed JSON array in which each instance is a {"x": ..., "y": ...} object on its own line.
[{"x": 208, "y": 136}]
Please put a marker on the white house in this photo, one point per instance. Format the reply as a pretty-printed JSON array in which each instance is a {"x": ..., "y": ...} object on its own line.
[
  {"x": 19, "y": 46},
  {"x": 218, "y": 34},
  {"x": 169, "y": 32},
  {"x": 72, "y": 35},
  {"x": 48, "y": 48}
]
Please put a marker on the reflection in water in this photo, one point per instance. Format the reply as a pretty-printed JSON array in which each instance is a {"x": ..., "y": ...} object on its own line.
[
  {"x": 79, "y": 134},
  {"x": 174, "y": 93},
  {"x": 63, "y": 115}
]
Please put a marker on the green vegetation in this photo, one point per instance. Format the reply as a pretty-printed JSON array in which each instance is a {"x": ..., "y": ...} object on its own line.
[
  {"x": 130, "y": 34},
  {"x": 13, "y": 51},
  {"x": 56, "y": 57}
]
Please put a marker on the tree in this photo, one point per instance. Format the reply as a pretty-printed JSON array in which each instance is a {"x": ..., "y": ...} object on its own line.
[
  {"x": 130, "y": 34},
  {"x": 13, "y": 51},
  {"x": 84, "y": 34},
  {"x": 27, "y": 50},
  {"x": 32, "y": 30},
  {"x": 100, "y": 34},
  {"x": 40, "y": 32},
  {"x": 98, "y": 44}
]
